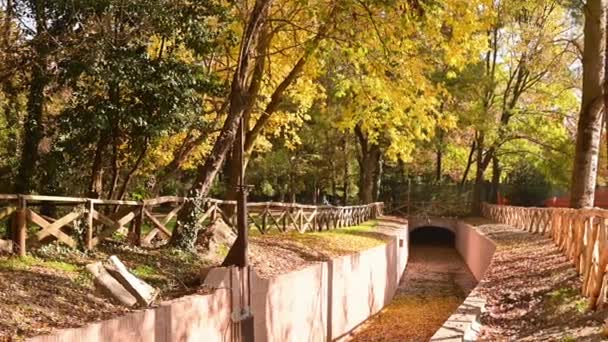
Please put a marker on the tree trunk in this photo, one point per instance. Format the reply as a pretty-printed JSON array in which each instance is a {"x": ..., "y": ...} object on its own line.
[
  {"x": 134, "y": 168},
  {"x": 369, "y": 167},
  {"x": 334, "y": 184},
  {"x": 187, "y": 228},
  {"x": 478, "y": 187},
  {"x": 277, "y": 96},
  {"x": 469, "y": 163},
  {"x": 232, "y": 173},
  {"x": 115, "y": 169},
  {"x": 33, "y": 126},
  {"x": 495, "y": 179},
  {"x": 346, "y": 173},
  {"x": 292, "y": 188},
  {"x": 584, "y": 174},
  {"x": 377, "y": 176},
  {"x": 96, "y": 181},
  {"x": 439, "y": 149},
  {"x": 438, "y": 157},
  {"x": 368, "y": 181}
]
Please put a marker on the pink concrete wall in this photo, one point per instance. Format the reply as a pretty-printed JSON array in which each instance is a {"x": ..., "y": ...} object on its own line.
[
  {"x": 293, "y": 306},
  {"x": 362, "y": 285},
  {"x": 475, "y": 248},
  {"x": 184, "y": 319},
  {"x": 326, "y": 301},
  {"x": 322, "y": 302}
]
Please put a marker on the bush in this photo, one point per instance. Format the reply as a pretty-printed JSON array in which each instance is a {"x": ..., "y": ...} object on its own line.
[{"x": 527, "y": 186}]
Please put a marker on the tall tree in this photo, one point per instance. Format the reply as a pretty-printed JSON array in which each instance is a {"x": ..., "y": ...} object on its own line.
[
  {"x": 528, "y": 51},
  {"x": 582, "y": 191},
  {"x": 188, "y": 227},
  {"x": 39, "y": 79}
]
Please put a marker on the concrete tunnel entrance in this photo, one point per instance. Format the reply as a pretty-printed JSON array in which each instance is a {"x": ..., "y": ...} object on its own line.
[{"x": 432, "y": 236}]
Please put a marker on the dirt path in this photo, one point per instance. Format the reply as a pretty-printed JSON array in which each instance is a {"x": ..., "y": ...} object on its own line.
[{"x": 435, "y": 283}]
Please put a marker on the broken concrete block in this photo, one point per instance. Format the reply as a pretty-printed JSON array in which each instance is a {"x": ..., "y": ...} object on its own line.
[
  {"x": 115, "y": 288},
  {"x": 6, "y": 246},
  {"x": 144, "y": 293}
]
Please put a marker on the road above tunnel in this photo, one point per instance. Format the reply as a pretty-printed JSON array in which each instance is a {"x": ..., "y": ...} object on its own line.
[{"x": 435, "y": 283}]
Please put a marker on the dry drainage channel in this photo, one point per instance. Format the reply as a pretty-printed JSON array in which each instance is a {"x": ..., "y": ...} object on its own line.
[{"x": 435, "y": 283}]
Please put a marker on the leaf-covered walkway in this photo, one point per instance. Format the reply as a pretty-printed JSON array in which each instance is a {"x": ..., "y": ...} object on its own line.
[
  {"x": 435, "y": 283},
  {"x": 532, "y": 291}
]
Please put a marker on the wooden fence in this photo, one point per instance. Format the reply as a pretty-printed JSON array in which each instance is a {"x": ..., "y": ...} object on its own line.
[
  {"x": 85, "y": 222},
  {"x": 436, "y": 208},
  {"x": 581, "y": 234}
]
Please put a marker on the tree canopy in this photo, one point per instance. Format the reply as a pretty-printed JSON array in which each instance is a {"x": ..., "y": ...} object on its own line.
[{"x": 138, "y": 98}]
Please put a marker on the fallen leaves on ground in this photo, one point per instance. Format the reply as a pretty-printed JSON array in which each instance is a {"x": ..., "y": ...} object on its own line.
[
  {"x": 409, "y": 319},
  {"x": 277, "y": 253},
  {"x": 435, "y": 284},
  {"x": 51, "y": 289},
  {"x": 532, "y": 291}
]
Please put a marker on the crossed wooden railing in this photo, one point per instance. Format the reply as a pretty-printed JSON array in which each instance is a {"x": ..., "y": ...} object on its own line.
[
  {"x": 581, "y": 234},
  {"x": 436, "y": 208},
  {"x": 86, "y": 222}
]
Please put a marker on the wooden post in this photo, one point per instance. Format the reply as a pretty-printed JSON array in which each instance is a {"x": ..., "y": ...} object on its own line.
[
  {"x": 139, "y": 219},
  {"x": 213, "y": 216},
  {"x": 285, "y": 213},
  {"x": 21, "y": 227},
  {"x": 89, "y": 232},
  {"x": 264, "y": 219}
]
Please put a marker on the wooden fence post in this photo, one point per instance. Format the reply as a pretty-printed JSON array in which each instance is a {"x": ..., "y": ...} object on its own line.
[
  {"x": 21, "y": 227},
  {"x": 139, "y": 219},
  {"x": 89, "y": 232},
  {"x": 213, "y": 216},
  {"x": 264, "y": 223},
  {"x": 284, "y": 219}
]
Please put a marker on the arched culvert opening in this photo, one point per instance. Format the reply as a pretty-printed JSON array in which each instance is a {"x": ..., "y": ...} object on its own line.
[{"x": 432, "y": 236}]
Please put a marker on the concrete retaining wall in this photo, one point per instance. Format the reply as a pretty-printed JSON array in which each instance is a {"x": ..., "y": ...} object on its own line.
[
  {"x": 363, "y": 284},
  {"x": 322, "y": 302},
  {"x": 292, "y": 307},
  {"x": 184, "y": 319},
  {"x": 477, "y": 251},
  {"x": 475, "y": 248}
]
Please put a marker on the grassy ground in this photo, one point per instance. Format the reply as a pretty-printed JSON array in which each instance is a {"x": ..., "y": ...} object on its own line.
[{"x": 50, "y": 287}]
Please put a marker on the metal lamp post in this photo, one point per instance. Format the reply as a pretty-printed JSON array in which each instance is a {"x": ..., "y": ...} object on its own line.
[{"x": 237, "y": 256}]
